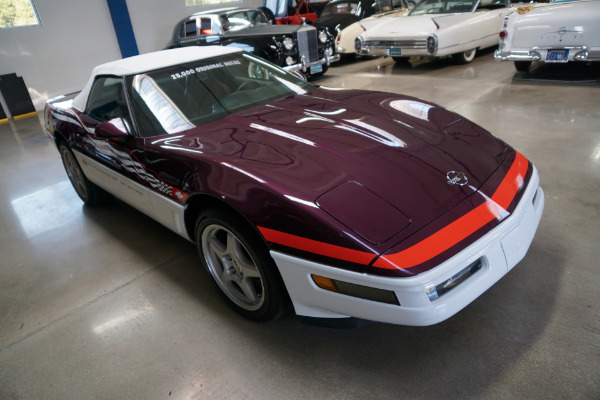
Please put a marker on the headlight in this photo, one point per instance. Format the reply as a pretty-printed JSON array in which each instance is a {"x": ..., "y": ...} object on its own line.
[
  {"x": 288, "y": 43},
  {"x": 322, "y": 37},
  {"x": 289, "y": 61}
]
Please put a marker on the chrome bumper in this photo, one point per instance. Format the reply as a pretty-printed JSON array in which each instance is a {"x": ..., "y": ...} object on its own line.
[
  {"x": 377, "y": 47},
  {"x": 580, "y": 53},
  {"x": 303, "y": 66}
]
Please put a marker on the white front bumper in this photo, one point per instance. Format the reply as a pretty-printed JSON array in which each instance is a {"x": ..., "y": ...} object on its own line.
[{"x": 499, "y": 250}]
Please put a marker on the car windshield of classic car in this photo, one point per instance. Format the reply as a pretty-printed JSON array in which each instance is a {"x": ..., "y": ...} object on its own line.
[
  {"x": 443, "y": 7},
  {"x": 242, "y": 19},
  {"x": 178, "y": 98}
]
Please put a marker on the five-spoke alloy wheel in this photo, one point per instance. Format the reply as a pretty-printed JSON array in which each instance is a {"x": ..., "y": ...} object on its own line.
[
  {"x": 86, "y": 190},
  {"x": 240, "y": 265}
]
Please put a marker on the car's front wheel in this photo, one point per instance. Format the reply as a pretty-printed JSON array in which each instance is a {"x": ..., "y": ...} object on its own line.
[
  {"x": 87, "y": 191},
  {"x": 522, "y": 66},
  {"x": 240, "y": 265},
  {"x": 465, "y": 57}
]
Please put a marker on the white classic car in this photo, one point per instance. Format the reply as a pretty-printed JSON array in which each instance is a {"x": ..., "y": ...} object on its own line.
[
  {"x": 436, "y": 28},
  {"x": 344, "y": 42},
  {"x": 560, "y": 32}
]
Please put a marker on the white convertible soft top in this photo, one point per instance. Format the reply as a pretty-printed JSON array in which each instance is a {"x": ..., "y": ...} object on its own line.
[{"x": 149, "y": 62}]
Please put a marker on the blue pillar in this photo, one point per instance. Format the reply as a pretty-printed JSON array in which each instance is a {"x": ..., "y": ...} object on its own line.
[{"x": 123, "y": 28}]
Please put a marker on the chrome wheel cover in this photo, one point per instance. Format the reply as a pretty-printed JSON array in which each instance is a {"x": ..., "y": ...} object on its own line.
[
  {"x": 232, "y": 267},
  {"x": 74, "y": 172},
  {"x": 469, "y": 55}
]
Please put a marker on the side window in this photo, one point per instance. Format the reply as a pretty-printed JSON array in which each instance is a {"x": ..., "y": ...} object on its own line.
[
  {"x": 206, "y": 26},
  {"x": 486, "y": 5},
  {"x": 258, "y": 17},
  {"x": 341, "y": 8},
  {"x": 188, "y": 29},
  {"x": 106, "y": 100}
]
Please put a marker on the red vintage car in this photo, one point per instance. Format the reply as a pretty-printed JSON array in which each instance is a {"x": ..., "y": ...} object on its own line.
[
  {"x": 302, "y": 13},
  {"x": 341, "y": 203}
]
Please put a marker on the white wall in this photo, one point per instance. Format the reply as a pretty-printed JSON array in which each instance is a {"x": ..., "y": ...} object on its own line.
[{"x": 58, "y": 56}]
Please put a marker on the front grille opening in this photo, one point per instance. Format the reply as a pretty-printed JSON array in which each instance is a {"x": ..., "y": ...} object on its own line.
[
  {"x": 307, "y": 44},
  {"x": 437, "y": 291}
]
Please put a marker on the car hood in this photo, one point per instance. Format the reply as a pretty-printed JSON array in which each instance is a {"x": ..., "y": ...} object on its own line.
[
  {"x": 400, "y": 150},
  {"x": 390, "y": 28}
]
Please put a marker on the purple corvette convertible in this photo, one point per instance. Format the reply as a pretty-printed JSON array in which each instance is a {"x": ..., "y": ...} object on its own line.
[{"x": 340, "y": 203}]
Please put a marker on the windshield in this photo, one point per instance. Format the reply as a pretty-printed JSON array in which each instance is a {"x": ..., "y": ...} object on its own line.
[
  {"x": 237, "y": 20},
  {"x": 179, "y": 98},
  {"x": 443, "y": 7},
  {"x": 343, "y": 7}
]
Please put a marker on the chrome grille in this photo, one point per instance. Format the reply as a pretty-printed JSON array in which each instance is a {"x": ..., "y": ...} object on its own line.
[
  {"x": 307, "y": 44},
  {"x": 396, "y": 44}
]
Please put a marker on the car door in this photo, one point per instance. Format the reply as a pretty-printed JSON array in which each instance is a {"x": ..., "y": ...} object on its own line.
[
  {"x": 487, "y": 23},
  {"x": 115, "y": 163}
]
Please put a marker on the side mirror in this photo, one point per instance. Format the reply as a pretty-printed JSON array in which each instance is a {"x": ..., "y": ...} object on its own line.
[{"x": 113, "y": 129}]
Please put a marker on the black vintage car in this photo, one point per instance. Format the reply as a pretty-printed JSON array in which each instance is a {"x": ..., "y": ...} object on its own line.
[
  {"x": 293, "y": 47},
  {"x": 339, "y": 14}
]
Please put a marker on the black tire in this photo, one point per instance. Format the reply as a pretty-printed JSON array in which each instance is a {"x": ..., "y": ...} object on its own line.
[
  {"x": 465, "y": 57},
  {"x": 87, "y": 191},
  {"x": 522, "y": 66},
  {"x": 239, "y": 264},
  {"x": 401, "y": 60}
]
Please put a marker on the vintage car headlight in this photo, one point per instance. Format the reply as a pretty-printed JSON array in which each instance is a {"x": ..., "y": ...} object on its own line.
[
  {"x": 288, "y": 43},
  {"x": 432, "y": 44},
  {"x": 323, "y": 37},
  {"x": 289, "y": 61}
]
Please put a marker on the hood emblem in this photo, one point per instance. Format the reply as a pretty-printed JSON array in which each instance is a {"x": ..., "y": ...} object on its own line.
[{"x": 457, "y": 178}]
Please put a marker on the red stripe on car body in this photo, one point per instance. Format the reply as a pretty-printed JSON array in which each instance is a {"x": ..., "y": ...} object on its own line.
[
  {"x": 316, "y": 247},
  {"x": 440, "y": 241}
]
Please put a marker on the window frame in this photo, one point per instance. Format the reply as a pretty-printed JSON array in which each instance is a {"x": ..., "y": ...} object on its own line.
[{"x": 36, "y": 16}]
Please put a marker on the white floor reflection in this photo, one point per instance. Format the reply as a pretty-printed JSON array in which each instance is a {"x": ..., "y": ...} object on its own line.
[{"x": 47, "y": 209}]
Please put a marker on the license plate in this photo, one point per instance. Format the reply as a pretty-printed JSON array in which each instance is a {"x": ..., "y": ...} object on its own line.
[
  {"x": 557, "y": 56},
  {"x": 315, "y": 69},
  {"x": 394, "y": 52}
]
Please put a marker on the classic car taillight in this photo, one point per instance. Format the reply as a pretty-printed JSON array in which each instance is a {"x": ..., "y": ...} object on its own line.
[
  {"x": 358, "y": 45},
  {"x": 503, "y": 34},
  {"x": 432, "y": 44}
]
